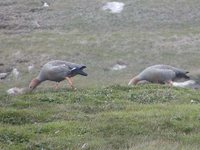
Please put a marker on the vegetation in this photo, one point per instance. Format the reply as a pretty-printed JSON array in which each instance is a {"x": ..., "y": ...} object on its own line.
[
  {"x": 114, "y": 117},
  {"x": 143, "y": 34},
  {"x": 103, "y": 113}
]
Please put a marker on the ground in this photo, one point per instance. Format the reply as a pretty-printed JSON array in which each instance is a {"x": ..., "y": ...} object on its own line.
[
  {"x": 80, "y": 31},
  {"x": 114, "y": 117}
]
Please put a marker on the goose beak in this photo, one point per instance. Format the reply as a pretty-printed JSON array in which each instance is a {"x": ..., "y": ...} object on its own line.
[{"x": 81, "y": 72}]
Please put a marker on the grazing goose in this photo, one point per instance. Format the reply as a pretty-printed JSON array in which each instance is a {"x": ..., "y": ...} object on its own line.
[
  {"x": 159, "y": 74},
  {"x": 58, "y": 70}
]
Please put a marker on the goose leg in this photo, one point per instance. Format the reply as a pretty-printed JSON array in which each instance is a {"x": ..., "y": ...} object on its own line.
[{"x": 70, "y": 82}]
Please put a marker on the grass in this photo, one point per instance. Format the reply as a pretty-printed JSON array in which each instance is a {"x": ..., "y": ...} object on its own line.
[
  {"x": 145, "y": 33},
  {"x": 114, "y": 117},
  {"x": 103, "y": 113}
]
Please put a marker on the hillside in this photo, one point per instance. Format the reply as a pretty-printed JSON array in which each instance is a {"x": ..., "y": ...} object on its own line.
[
  {"x": 103, "y": 113},
  {"x": 144, "y": 33},
  {"x": 115, "y": 117}
]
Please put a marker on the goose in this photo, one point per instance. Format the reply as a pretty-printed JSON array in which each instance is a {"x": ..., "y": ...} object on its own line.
[
  {"x": 160, "y": 74},
  {"x": 57, "y": 71}
]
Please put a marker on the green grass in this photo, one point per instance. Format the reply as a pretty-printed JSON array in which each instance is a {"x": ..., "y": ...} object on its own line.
[
  {"x": 114, "y": 117},
  {"x": 99, "y": 115},
  {"x": 145, "y": 33}
]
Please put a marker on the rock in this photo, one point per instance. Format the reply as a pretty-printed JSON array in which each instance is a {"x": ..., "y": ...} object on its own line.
[
  {"x": 84, "y": 146},
  {"x": 3, "y": 75},
  {"x": 15, "y": 73},
  {"x": 4, "y": 72},
  {"x": 118, "y": 67},
  {"x": 45, "y": 4},
  {"x": 114, "y": 7},
  {"x": 187, "y": 84},
  {"x": 30, "y": 68},
  {"x": 15, "y": 91}
]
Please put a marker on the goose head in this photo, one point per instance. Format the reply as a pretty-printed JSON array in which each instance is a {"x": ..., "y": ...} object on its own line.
[{"x": 78, "y": 70}]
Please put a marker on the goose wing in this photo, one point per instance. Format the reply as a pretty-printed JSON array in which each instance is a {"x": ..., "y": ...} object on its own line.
[
  {"x": 156, "y": 75},
  {"x": 177, "y": 70},
  {"x": 53, "y": 72},
  {"x": 69, "y": 64},
  {"x": 180, "y": 73},
  {"x": 58, "y": 72}
]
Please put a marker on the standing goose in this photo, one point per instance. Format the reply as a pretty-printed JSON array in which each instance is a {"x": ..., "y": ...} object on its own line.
[
  {"x": 160, "y": 74},
  {"x": 58, "y": 70}
]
